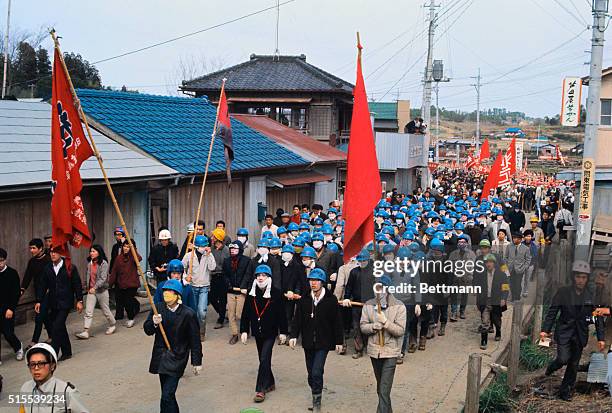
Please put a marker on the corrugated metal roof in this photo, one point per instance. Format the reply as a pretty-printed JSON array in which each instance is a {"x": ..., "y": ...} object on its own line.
[
  {"x": 177, "y": 131},
  {"x": 305, "y": 146},
  {"x": 383, "y": 110},
  {"x": 25, "y": 129}
]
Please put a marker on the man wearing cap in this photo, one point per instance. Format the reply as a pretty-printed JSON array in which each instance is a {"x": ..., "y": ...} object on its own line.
[
  {"x": 198, "y": 268},
  {"x": 161, "y": 254},
  {"x": 518, "y": 260},
  {"x": 235, "y": 270},
  {"x": 318, "y": 320},
  {"x": 264, "y": 316},
  {"x": 491, "y": 298},
  {"x": 61, "y": 286},
  {"x": 41, "y": 360},
  {"x": 574, "y": 305},
  {"x": 119, "y": 240},
  {"x": 383, "y": 321},
  {"x": 180, "y": 324},
  {"x": 218, "y": 288}
]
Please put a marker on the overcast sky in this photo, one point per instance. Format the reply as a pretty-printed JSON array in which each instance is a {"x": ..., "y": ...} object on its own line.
[{"x": 497, "y": 36}]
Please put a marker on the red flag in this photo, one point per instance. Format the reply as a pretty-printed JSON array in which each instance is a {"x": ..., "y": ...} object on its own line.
[
  {"x": 484, "y": 151},
  {"x": 511, "y": 156},
  {"x": 493, "y": 178},
  {"x": 471, "y": 162},
  {"x": 224, "y": 128},
  {"x": 363, "y": 187},
  {"x": 69, "y": 149}
]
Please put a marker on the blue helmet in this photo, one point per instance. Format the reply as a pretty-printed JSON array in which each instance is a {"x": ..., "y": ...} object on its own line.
[
  {"x": 419, "y": 255},
  {"x": 388, "y": 249},
  {"x": 263, "y": 269},
  {"x": 305, "y": 215},
  {"x": 267, "y": 235},
  {"x": 327, "y": 229},
  {"x": 309, "y": 252},
  {"x": 173, "y": 285},
  {"x": 332, "y": 211},
  {"x": 414, "y": 247},
  {"x": 364, "y": 255},
  {"x": 459, "y": 226},
  {"x": 464, "y": 237},
  {"x": 317, "y": 236},
  {"x": 305, "y": 226},
  {"x": 264, "y": 242},
  {"x": 388, "y": 231},
  {"x": 299, "y": 242},
  {"x": 404, "y": 252},
  {"x": 281, "y": 230},
  {"x": 275, "y": 243},
  {"x": 439, "y": 235},
  {"x": 201, "y": 241},
  {"x": 385, "y": 280},
  {"x": 317, "y": 274},
  {"x": 288, "y": 248},
  {"x": 381, "y": 238},
  {"x": 408, "y": 235},
  {"x": 242, "y": 232},
  {"x": 175, "y": 266},
  {"x": 293, "y": 226},
  {"x": 430, "y": 231},
  {"x": 306, "y": 237},
  {"x": 318, "y": 221},
  {"x": 436, "y": 244},
  {"x": 332, "y": 247}
]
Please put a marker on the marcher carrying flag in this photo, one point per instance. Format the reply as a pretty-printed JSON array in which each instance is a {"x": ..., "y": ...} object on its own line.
[
  {"x": 225, "y": 133},
  {"x": 69, "y": 149},
  {"x": 363, "y": 187}
]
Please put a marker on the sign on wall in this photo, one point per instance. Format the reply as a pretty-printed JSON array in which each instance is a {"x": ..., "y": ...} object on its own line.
[
  {"x": 587, "y": 185},
  {"x": 572, "y": 95}
]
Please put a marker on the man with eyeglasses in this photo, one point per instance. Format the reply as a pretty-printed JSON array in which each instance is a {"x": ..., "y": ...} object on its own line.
[{"x": 45, "y": 393}]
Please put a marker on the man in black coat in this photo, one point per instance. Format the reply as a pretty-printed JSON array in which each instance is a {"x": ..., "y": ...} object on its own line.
[
  {"x": 9, "y": 297},
  {"x": 235, "y": 269},
  {"x": 575, "y": 305},
  {"x": 161, "y": 254},
  {"x": 119, "y": 239},
  {"x": 60, "y": 285},
  {"x": 318, "y": 320},
  {"x": 491, "y": 301},
  {"x": 183, "y": 331},
  {"x": 516, "y": 218}
]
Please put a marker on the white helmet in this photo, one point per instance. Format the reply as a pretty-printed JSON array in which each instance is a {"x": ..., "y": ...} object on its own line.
[
  {"x": 190, "y": 228},
  {"x": 581, "y": 267},
  {"x": 164, "y": 234},
  {"x": 42, "y": 346}
]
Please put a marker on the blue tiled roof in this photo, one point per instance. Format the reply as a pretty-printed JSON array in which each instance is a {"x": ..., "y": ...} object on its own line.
[{"x": 177, "y": 130}]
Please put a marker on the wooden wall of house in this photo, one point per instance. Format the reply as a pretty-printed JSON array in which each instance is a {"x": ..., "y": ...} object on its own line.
[
  {"x": 286, "y": 197},
  {"x": 220, "y": 202}
]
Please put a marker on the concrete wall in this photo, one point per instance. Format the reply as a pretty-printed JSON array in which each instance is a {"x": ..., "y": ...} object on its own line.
[
  {"x": 403, "y": 114},
  {"x": 399, "y": 150},
  {"x": 327, "y": 191}
]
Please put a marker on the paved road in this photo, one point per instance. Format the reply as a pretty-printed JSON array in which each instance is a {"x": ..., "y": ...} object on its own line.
[{"x": 111, "y": 373}]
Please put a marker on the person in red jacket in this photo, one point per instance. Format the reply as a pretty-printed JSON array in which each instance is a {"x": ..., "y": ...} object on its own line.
[{"x": 124, "y": 276}]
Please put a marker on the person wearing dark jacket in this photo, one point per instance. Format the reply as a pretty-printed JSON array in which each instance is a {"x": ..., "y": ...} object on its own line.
[
  {"x": 119, "y": 239},
  {"x": 33, "y": 273},
  {"x": 124, "y": 276},
  {"x": 290, "y": 280},
  {"x": 490, "y": 301},
  {"x": 435, "y": 275},
  {"x": 264, "y": 316},
  {"x": 61, "y": 286},
  {"x": 359, "y": 288},
  {"x": 182, "y": 328},
  {"x": 9, "y": 297},
  {"x": 161, "y": 254},
  {"x": 574, "y": 305},
  {"x": 235, "y": 270},
  {"x": 319, "y": 322},
  {"x": 516, "y": 218},
  {"x": 263, "y": 257}
]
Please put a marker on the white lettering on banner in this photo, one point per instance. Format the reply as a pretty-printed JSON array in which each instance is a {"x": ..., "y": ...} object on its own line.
[
  {"x": 505, "y": 172},
  {"x": 572, "y": 94},
  {"x": 585, "y": 201},
  {"x": 519, "y": 156}
]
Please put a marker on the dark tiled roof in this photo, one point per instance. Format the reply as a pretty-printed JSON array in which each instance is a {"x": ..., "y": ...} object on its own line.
[
  {"x": 270, "y": 73},
  {"x": 177, "y": 130}
]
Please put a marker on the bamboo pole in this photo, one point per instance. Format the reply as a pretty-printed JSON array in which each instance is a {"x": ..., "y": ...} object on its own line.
[
  {"x": 77, "y": 103},
  {"x": 210, "y": 148}
]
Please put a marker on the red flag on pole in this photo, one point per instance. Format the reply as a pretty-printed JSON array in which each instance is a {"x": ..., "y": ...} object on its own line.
[
  {"x": 363, "y": 186},
  {"x": 493, "y": 178},
  {"x": 225, "y": 133},
  {"x": 484, "y": 151},
  {"x": 511, "y": 156},
  {"x": 471, "y": 162},
  {"x": 69, "y": 149}
]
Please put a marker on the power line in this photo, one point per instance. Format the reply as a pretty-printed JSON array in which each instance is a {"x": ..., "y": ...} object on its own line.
[
  {"x": 582, "y": 23},
  {"x": 194, "y": 33}
]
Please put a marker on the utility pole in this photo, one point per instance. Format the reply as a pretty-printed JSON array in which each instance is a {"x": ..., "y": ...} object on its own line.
[
  {"x": 438, "y": 76},
  {"x": 427, "y": 86},
  {"x": 6, "y": 46},
  {"x": 585, "y": 221},
  {"x": 477, "y": 86},
  {"x": 276, "y": 51}
]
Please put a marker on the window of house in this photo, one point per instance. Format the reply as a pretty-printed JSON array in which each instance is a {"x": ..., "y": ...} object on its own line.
[{"x": 606, "y": 112}]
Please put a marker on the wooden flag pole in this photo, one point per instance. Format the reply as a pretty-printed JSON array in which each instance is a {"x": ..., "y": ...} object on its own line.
[
  {"x": 212, "y": 141},
  {"x": 77, "y": 103}
]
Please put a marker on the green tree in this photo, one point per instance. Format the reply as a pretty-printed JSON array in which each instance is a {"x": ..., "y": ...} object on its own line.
[
  {"x": 43, "y": 65},
  {"x": 24, "y": 68},
  {"x": 83, "y": 74}
]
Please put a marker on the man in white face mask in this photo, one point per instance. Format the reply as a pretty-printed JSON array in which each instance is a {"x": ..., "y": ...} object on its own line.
[
  {"x": 248, "y": 249},
  {"x": 265, "y": 257},
  {"x": 332, "y": 214},
  {"x": 290, "y": 280},
  {"x": 325, "y": 259}
]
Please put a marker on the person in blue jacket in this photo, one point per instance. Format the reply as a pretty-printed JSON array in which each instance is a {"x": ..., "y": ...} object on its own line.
[{"x": 175, "y": 272}]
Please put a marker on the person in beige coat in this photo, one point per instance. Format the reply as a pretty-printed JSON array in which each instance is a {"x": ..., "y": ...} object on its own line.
[
  {"x": 341, "y": 280},
  {"x": 385, "y": 331}
]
